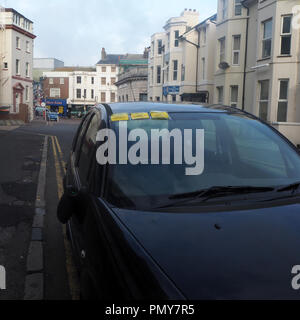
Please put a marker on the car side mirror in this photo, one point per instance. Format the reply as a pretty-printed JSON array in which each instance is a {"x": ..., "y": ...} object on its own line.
[{"x": 73, "y": 192}]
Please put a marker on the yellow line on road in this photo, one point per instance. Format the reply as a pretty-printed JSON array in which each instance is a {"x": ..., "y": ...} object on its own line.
[
  {"x": 60, "y": 155},
  {"x": 71, "y": 270}
]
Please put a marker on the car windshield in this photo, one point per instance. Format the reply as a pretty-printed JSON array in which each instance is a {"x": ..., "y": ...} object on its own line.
[{"x": 238, "y": 151}]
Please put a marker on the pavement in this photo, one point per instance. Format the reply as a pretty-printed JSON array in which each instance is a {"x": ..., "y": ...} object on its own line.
[
  {"x": 9, "y": 123},
  {"x": 33, "y": 245}
]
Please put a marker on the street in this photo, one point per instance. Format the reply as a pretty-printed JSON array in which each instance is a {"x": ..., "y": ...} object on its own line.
[{"x": 20, "y": 163}]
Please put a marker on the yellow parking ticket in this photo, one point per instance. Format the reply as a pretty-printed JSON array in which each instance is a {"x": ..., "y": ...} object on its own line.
[
  {"x": 140, "y": 116},
  {"x": 160, "y": 115},
  {"x": 119, "y": 117}
]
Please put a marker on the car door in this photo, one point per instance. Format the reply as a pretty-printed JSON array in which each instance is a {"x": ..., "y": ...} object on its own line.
[{"x": 84, "y": 168}]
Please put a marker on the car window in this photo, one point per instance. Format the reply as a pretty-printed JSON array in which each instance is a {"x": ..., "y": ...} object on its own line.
[
  {"x": 80, "y": 134},
  {"x": 238, "y": 151},
  {"x": 88, "y": 149}
]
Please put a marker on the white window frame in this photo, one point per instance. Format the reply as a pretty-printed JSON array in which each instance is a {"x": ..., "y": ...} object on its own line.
[
  {"x": 175, "y": 71},
  {"x": 27, "y": 94},
  {"x": 18, "y": 43},
  {"x": 234, "y": 51},
  {"x": 61, "y": 81},
  {"x": 54, "y": 92},
  {"x": 18, "y": 67},
  {"x": 260, "y": 101},
  {"x": 27, "y": 69},
  {"x": 280, "y": 100},
  {"x": 238, "y": 4},
  {"x": 28, "y": 47},
  {"x": 266, "y": 39},
  {"x": 284, "y": 35},
  {"x": 224, "y": 9},
  {"x": 51, "y": 81},
  {"x": 219, "y": 90},
  {"x": 222, "y": 53},
  {"x": 234, "y": 103}
]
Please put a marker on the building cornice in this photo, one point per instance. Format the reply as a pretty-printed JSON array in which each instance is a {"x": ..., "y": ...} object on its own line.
[
  {"x": 20, "y": 30},
  {"x": 22, "y": 79}
]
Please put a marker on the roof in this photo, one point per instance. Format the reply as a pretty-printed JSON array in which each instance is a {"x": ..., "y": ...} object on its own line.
[
  {"x": 16, "y": 12},
  {"x": 129, "y": 107},
  {"x": 111, "y": 59},
  {"x": 70, "y": 69}
]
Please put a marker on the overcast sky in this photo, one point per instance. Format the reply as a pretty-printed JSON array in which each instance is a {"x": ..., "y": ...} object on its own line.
[{"x": 75, "y": 31}]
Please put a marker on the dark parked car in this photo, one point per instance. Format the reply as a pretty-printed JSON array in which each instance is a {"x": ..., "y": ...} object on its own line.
[{"x": 154, "y": 232}]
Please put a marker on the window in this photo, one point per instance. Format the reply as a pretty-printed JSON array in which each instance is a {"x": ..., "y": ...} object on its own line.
[
  {"x": 236, "y": 50},
  {"x": 234, "y": 96},
  {"x": 264, "y": 99},
  {"x": 103, "y": 81},
  {"x": 92, "y": 94},
  {"x": 173, "y": 98},
  {"x": 143, "y": 97},
  {"x": 113, "y": 80},
  {"x": 54, "y": 92},
  {"x": 176, "y": 42},
  {"x": 78, "y": 93},
  {"x": 27, "y": 69},
  {"x": 158, "y": 80},
  {"x": 78, "y": 80},
  {"x": 159, "y": 46},
  {"x": 112, "y": 97},
  {"x": 27, "y": 47},
  {"x": 220, "y": 91},
  {"x": 84, "y": 94},
  {"x": 267, "y": 39},
  {"x": 103, "y": 69},
  {"x": 18, "y": 43},
  {"x": 222, "y": 49},
  {"x": 27, "y": 93},
  {"x": 127, "y": 98},
  {"x": 238, "y": 7},
  {"x": 157, "y": 99},
  {"x": 92, "y": 80},
  {"x": 62, "y": 81},
  {"x": 286, "y": 35},
  {"x": 203, "y": 68},
  {"x": 18, "y": 67},
  {"x": 283, "y": 101},
  {"x": 224, "y": 9},
  {"x": 87, "y": 154},
  {"x": 175, "y": 70},
  {"x": 182, "y": 72},
  {"x": 103, "y": 97},
  {"x": 5, "y": 65},
  {"x": 113, "y": 69},
  {"x": 50, "y": 80}
]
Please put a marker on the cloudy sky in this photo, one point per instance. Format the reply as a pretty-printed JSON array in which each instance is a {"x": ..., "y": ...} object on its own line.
[{"x": 75, "y": 31}]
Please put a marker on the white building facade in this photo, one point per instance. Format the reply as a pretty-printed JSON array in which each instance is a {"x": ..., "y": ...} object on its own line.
[
  {"x": 166, "y": 58},
  {"x": 16, "y": 58}
]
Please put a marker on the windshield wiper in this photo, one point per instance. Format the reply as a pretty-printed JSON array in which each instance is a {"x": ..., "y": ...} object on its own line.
[
  {"x": 214, "y": 192},
  {"x": 221, "y": 190},
  {"x": 291, "y": 187}
]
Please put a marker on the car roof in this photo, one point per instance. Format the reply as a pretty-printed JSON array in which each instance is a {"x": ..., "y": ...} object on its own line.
[{"x": 130, "y": 107}]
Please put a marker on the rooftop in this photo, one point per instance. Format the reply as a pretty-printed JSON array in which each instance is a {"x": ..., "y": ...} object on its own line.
[{"x": 71, "y": 69}]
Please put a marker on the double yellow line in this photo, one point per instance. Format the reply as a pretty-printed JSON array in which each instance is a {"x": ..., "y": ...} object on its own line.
[{"x": 60, "y": 168}]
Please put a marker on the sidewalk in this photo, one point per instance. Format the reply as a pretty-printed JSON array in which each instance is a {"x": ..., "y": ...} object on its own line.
[
  {"x": 20, "y": 159},
  {"x": 8, "y": 123}
]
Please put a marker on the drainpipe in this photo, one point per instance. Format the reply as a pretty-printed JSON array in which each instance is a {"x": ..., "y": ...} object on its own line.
[{"x": 246, "y": 55}]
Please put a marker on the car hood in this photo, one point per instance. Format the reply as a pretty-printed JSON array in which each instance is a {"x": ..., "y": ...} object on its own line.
[{"x": 247, "y": 254}]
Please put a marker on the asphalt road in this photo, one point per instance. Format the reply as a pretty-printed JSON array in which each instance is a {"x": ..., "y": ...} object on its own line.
[{"x": 19, "y": 167}]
